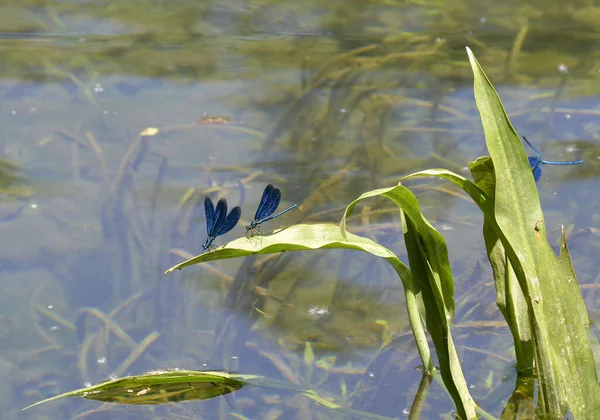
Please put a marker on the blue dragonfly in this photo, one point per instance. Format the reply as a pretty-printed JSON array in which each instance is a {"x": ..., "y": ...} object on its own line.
[
  {"x": 536, "y": 162},
  {"x": 218, "y": 222},
  {"x": 268, "y": 204}
]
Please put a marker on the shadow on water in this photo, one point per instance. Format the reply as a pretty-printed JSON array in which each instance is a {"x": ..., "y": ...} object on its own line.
[{"x": 118, "y": 119}]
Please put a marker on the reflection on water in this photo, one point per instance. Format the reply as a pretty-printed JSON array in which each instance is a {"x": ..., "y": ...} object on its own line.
[{"x": 116, "y": 121}]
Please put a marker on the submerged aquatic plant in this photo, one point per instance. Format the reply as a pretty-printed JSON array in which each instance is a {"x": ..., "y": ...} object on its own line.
[{"x": 536, "y": 292}]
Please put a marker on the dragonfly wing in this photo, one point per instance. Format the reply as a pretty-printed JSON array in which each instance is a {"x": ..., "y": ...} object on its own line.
[
  {"x": 266, "y": 196},
  {"x": 220, "y": 215},
  {"x": 536, "y": 167},
  {"x": 268, "y": 203},
  {"x": 534, "y": 162},
  {"x": 209, "y": 210},
  {"x": 230, "y": 221}
]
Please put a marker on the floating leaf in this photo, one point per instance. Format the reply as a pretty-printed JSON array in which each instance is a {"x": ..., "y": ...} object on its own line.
[
  {"x": 160, "y": 387},
  {"x": 169, "y": 386}
]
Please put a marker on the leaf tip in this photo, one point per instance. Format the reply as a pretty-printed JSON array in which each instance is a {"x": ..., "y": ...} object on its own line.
[
  {"x": 32, "y": 405},
  {"x": 472, "y": 58}
]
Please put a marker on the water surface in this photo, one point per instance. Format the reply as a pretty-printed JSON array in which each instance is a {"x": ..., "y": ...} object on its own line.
[{"x": 325, "y": 101}]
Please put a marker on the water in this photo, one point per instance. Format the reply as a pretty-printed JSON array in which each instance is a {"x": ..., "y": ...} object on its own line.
[{"x": 103, "y": 211}]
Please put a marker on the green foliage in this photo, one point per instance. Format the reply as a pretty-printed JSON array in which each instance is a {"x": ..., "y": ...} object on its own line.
[
  {"x": 301, "y": 237},
  {"x": 509, "y": 296},
  {"x": 432, "y": 296},
  {"x": 169, "y": 386},
  {"x": 433, "y": 287},
  {"x": 554, "y": 305},
  {"x": 160, "y": 387}
]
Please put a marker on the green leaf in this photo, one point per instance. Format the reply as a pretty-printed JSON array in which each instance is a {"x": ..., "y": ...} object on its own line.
[
  {"x": 160, "y": 387},
  {"x": 509, "y": 295},
  {"x": 578, "y": 322},
  {"x": 428, "y": 256},
  {"x": 301, "y": 237},
  {"x": 169, "y": 386},
  {"x": 482, "y": 170},
  {"x": 323, "y": 236},
  {"x": 565, "y": 365}
]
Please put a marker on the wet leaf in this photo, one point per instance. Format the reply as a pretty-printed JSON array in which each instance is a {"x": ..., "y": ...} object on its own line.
[
  {"x": 169, "y": 386},
  {"x": 160, "y": 387}
]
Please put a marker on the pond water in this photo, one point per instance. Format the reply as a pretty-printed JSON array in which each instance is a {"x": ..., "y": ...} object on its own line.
[{"x": 117, "y": 118}]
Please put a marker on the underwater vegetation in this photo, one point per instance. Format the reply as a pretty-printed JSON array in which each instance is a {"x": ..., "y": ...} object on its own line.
[
  {"x": 124, "y": 117},
  {"x": 536, "y": 291}
]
